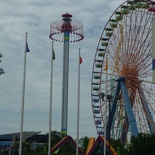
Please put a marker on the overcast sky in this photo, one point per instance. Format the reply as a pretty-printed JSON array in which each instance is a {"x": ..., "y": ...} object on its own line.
[{"x": 35, "y": 17}]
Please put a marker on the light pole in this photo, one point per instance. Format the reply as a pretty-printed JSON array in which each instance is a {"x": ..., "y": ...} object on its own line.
[
  {"x": 109, "y": 97},
  {"x": 101, "y": 96}
]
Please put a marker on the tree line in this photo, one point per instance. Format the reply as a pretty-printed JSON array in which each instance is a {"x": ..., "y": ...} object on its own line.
[{"x": 143, "y": 144}]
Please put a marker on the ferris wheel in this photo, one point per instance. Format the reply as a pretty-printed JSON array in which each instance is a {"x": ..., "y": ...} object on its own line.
[{"x": 122, "y": 88}]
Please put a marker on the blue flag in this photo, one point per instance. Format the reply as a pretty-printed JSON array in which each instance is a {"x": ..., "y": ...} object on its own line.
[{"x": 27, "y": 48}]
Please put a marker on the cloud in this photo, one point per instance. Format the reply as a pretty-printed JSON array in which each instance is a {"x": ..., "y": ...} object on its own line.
[{"x": 35, "y": 17}]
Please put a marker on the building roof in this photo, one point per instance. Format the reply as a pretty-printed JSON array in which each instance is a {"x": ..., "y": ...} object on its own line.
[{"x": 26, "y": 135}]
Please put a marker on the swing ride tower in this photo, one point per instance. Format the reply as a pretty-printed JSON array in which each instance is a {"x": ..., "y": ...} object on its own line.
[{"x": 65, "y": 31}]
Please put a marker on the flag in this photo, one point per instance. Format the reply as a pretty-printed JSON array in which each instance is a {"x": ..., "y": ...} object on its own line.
[
  {"x": 80, "y": 60},
  {"x": 106, "y": 65},
  {"x": 27, "y": 48},
  {"x": 53, "y": 55}
]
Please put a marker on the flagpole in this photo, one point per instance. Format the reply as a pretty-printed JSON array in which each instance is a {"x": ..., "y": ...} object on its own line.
[
  {"x": 23, "y": 97},
  {"x": 105, "y": 118},
  {"x": 50, "y": 106},
  {"x": 78, "y": 105}
]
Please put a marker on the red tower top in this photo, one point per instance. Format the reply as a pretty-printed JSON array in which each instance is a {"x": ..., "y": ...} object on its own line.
[
  {"x": 67, "y": 22},
  {"x": 59, "y": 27}
]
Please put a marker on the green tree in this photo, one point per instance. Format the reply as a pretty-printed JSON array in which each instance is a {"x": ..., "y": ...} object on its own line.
[
  {"x": 118, "y": 146},
  {"x": 83, "y": 143},
  {"x": 67, "y": 149},
  {"x": 143, "y": 144},
  {"x": 1, "y": 69},
  {"x": 26, "y": 147}
]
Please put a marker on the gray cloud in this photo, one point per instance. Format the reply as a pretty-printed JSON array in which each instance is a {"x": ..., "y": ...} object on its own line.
[{"x": 35, "y": 17}]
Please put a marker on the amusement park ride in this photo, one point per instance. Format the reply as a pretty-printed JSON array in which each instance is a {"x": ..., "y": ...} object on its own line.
[
  {"x": 75, "y": 30},
  {"x": 127, "y": 41}
]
